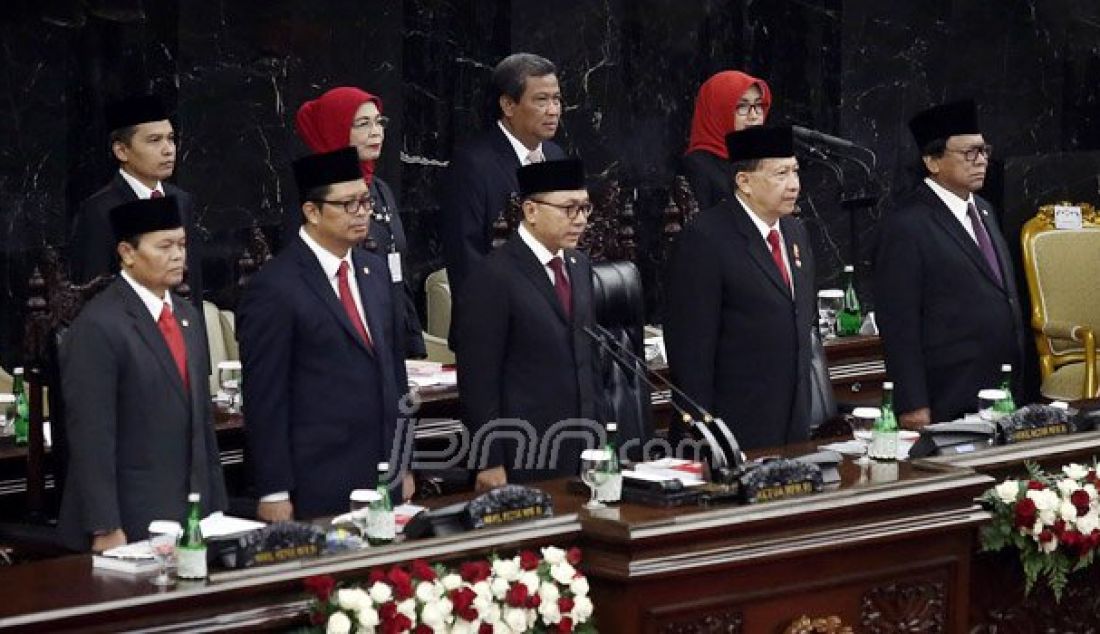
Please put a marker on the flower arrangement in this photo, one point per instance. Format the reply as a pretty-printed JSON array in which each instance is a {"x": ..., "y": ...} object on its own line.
[
  {"x": 525, "y": 593},
  {"x": 1053, "y": 521}
]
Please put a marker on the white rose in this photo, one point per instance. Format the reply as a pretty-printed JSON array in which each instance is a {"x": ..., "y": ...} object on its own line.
[
  {"x": 426, "y": 591},
  {"x": 368, "y": 618},
  {"x": 491, "y": 614},
  {"x": 553, "y": 555},
  {"x": 451, "y": 582},
  {"x": 352, "y": 599},
  {"x": 579, "y": 586},
  {"x": 1067, "y": 487},
  {"x": 1075, "y": 471},
  {"x": 1091, "y": 490},
  {"x": 500, "y": 627},
  {"x": 500, "y": 588},
  {"x": 462, "y": 627},
  {"x": 446, "y": 606},
  {"x": 516, "y": 619},
  {"x": 1088, "y": 522},
  {"x": 563, "y": 573},
  {"x": 380, "y": 592},
  {"x": 408, "y": 608},
  {"x": 507, "y": 569},
  {"x": 482, "y": 588},
  {"x": 1044, "y": 499},
  {"x": 482, "y": 602},
  {"x": 549, "y": 592},
  {"x": 431, "y": 616},
  {"x": 1068, "y": 512},
  {"x": 550, "y": 612},
  {"x": 338, "y": 623},
  {"x": 530, "y": 579},
  {"x": 582, "y": 609},
  {"x": 1049, "y": 547},
  {"x": 1008, "y": 491}
]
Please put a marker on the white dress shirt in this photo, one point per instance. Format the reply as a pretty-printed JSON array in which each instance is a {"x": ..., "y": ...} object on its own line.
[
  {"x": 139, "y": 187},
  {"x": 764, "y": 230},
  {"x": 958, "y": 206},
  {"x": 152, "y": 302},
  {"x": 542, "y": 253},
  {"x": 522, "y": 153}
]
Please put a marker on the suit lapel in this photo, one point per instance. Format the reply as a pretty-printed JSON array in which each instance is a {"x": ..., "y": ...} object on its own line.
[
  {"x": 314, "y": 277},
  {"x": 757, "y": 249},
  {"x": 580, "y": 282},
  {"x": 372, "y": 305},
  {"x": 150, "y": 334},
  {"x": 536, "y": 274},
  {"x": 795, "y": 246},
  {"x": 950, "y": 224}
]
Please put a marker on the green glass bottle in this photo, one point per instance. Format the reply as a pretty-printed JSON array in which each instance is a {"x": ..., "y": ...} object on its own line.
[
  {"x": 884, "y": 435},
  {"x": 381, "y": 523},
  {"x": 850, "y": 317},
  {"x": 22, "y": 423},
  {"x": 192, "y": 550},
  {"x": 1006, "y": 405},
  {"x": 612, "y": 488}
]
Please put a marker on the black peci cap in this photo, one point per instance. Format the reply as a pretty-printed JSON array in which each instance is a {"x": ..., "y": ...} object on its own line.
[
  {"x": 943, "y": 121},
  {"x": 128, "y": 111},
  {"x": 759, "y": 142},
  {"x": 143, "y": 216},
  {"x": 326, "y": 168},
  {"x": 550, "y": 176}
]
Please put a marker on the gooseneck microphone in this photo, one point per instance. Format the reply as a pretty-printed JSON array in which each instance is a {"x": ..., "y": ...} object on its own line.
[{"x": 808, "y": 134}]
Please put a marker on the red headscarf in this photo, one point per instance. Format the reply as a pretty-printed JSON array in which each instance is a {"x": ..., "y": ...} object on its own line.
[
  {"x": 325, "y": 123},
  {"x": 714, "y": 107}
]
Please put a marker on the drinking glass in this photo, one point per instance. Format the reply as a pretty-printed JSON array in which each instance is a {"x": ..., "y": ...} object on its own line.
[
  {"x": 987, "y": 404},
  {"x": 229, "y": 378},
  {"x": 829, "y": 303},
  {"x": 163, "y": 536},
  {"x": 863, "y": 422},
  {"x": 594, "y": 474},
  {"x": 7, "y": 414}
]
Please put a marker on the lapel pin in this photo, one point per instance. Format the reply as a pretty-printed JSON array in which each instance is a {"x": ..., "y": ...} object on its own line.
[
  {"x": 797, "y": 256},
  {"x": 366, "y": 271},
  {"x": 183, "y": 322},
  {"x": 572, "y": 260}
]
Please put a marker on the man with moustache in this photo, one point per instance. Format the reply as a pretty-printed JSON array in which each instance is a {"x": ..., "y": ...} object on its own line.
[
  {"x": 481, "y": 178},
  {"x": 133, "y": 375},
  {"x": 322, "y": 372},
  {"x": 143, "y": 142},
  {"x": 945, "y": 292},
  {"x": 521, "y": 350},
  {"x": 740, "y": 299}
]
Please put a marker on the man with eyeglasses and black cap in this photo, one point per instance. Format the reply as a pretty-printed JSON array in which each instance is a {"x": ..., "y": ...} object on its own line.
[
  {"x": 322, "y": 374},
  {"x": 143, "y": 142},
  {"x": 945, "y": 291},
  {"x": 521, "y": 351},
  {"x": 139, "y": 423}
]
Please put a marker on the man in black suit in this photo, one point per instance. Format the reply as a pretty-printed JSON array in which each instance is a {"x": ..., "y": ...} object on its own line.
[
  {"x": 481, "y": 177},
  {"x": 740, "y": 299},
  {"x": 144, "y": 144},
  {"x": 521, "y": 352},
  {"x": 322, "y": 372},
  {"x": 133, "y": 373},
  {"x": 945, "y": 293}
]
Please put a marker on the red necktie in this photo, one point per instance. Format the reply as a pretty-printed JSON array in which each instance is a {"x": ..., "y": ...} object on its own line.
[
  {"x": 561, "y": 286},
  {"x": 156, "y": 194},
  {"x": 777, "y": 255},
  {"x": 349, "y": 303},
  {"x": 173, "y": 336}
]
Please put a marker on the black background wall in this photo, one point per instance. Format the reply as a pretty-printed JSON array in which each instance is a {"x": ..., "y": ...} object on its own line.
[{"x": 236, "y": 72}]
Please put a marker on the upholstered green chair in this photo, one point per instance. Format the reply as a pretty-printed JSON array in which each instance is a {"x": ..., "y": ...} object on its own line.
[{"x": 1063, "y": 276}]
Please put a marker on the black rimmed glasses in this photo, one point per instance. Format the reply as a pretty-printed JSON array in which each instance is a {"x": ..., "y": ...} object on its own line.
[
  {"x": 350, "y": 207},
  {"x": 971, "y": 153},
  {"x": 571, "y": 210},
  {"x": 744, "y": 109},
  {"x": 366, "y": 122}
]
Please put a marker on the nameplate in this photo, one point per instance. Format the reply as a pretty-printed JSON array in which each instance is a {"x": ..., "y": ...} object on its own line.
[
  {"x": 508, "y": 504},
  {"x": 1034, "y": 422},
  {"x": 1033, "y": 433},
  {"x": 781, "y": 491},
  {"x": 779, "y": 479},
  {"x": 1067, "y": 217},
  {"x": 286, "y": 554},
  {"x": 279, "y": 542},
  {"x": 513, "y": 515}
]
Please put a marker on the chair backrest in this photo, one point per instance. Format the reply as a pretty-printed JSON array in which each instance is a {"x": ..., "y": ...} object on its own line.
[
  {"x": 437, "y": 350},
  {"x": 221, "y": 339},
  {"x": 438, "y": 298},
  {"x": 5, "y": 382},
  {"x": 1063, "y": 275}
]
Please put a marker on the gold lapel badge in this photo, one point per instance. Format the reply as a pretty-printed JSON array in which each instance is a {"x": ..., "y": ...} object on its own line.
[
  {"x": 366, "y": 271},
  {"x": 183, "y": 322},
  {"x": 797, "y": 256},
  {"x": 572, "y": 260}
]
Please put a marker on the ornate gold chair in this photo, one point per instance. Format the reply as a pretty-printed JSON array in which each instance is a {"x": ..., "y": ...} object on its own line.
[{"x": 1063, "y": 276}]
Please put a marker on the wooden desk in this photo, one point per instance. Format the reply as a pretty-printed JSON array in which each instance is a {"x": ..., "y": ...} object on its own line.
[{"x": 856, "y": 369}]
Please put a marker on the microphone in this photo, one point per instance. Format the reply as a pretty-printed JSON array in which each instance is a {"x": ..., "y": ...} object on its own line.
[
  {"x": 725, "y": 450},
  {"x": 813, "y": 135}
]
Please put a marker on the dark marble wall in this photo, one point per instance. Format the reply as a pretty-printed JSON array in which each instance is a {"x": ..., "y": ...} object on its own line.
[{"x": 237, "y": 71}]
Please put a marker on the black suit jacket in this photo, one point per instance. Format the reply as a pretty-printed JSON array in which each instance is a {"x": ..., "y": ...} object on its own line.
[
  {"x": 320, "y": 406},
  {"x": 520, "y": 357},
  {"x": 476, "y": 188},
  {"x": 710, "y": 176},
  {"x": 92, "y": 246},
  {"x": 946, "y": 324},
  {"x": 738, "y": 343},
  {"x": 139, "y": 442}
]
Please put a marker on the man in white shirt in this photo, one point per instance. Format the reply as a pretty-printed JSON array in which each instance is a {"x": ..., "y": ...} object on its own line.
[
  {"x": 143, "y": 142},
  {"x": 945, "y": 292},
  {"x": 322, "y": 374},
  {"x": 739, "y": 300},
  {"x": 138, "y": 424}
]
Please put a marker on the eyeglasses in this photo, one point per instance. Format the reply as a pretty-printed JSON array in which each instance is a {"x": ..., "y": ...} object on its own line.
[
  {"x": 971, "y": 153},
  {"x": 571, "y": 211},
  {"x": 381, "y": 122},
  {"x": 743, "y": 109},
  {"x": 351, "y": 207}
]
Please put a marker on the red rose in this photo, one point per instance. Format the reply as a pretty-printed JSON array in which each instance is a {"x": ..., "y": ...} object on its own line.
[
  {"x": 317, "y": 617},
  {"x": 485, "y": 629},
  {"x": 463, "y": 601},
  {"x": 565, "y": 625},
  {"x": 320, "y": 586},
  {"x": 376, "y": 575},
  {"x": 423, "y": 629},
  {"x": 565, "y": 605},
  {"x": 528, "y": 560},
  {"x": 401, "y": 582},
  {"x": 1025, "y": 513},
  {"x": 1058, "y": 528},
  {"x": 422, "y": 571},
  {"x": 475, "y": 571},
  {"x": 1046, "y": 536},
  {"x": 534, "y": 601},
  {"x": 1035, "y": 485},
  {"x": 1080, "y": 499},
  {"x": 517, "y": 595},
  {"x": 573, "y": 556},
  {"x": 387, "y": 611},
  {"x": 1090, "y": 477}
]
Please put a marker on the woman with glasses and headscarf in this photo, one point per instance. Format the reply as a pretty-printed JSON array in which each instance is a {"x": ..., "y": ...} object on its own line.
[
  {"x": 727, "y": 102},
  {"x": 349, "y": 116}
]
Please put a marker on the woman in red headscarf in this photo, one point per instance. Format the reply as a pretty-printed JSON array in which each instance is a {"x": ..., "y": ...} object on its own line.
[
  {"x": 349, "y": 116},
  {"x": 727, "y": 102}
]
